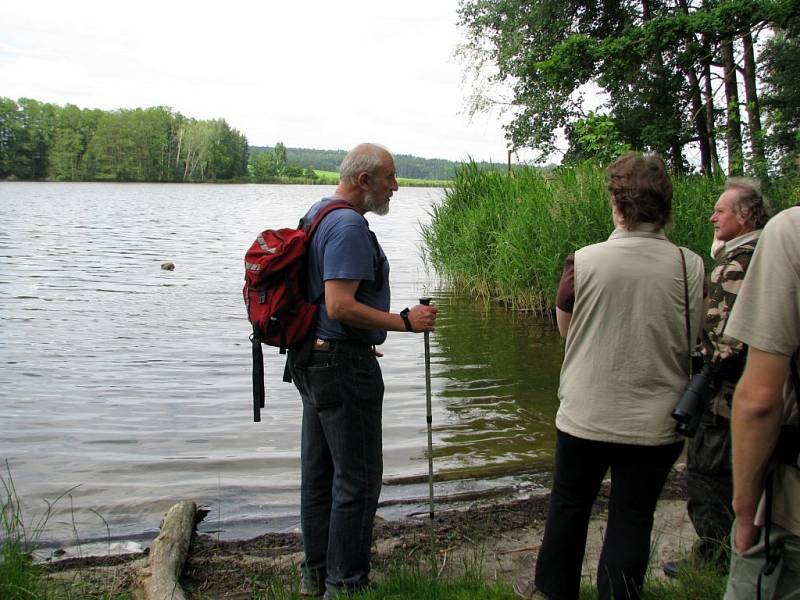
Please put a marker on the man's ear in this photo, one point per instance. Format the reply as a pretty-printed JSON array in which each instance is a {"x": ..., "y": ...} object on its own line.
[
  {"x": 744, "y": 216},
  {"x": 363, "y": 179}
]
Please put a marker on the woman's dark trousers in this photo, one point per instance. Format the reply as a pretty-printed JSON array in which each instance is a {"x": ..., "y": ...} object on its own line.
[{"x": 638, "y": 474}]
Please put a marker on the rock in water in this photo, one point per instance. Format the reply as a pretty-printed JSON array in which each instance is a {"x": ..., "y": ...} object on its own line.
[{"x": 168, "y": 266}]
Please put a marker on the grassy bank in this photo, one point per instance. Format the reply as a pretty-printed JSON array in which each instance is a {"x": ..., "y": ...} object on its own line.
[
  {"x": 505, "y": 238},
  {"x": 248, "y": 570},
  {"x": 419, "y": 584}
]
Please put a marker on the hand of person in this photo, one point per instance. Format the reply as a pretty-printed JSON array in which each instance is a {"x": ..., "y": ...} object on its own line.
[
  {"x": 423, "y": 317},
  {"x": 745, "y": 534}
]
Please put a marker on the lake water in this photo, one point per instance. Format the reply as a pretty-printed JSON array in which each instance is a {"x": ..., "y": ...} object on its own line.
[{"x": 125, "y": 387}]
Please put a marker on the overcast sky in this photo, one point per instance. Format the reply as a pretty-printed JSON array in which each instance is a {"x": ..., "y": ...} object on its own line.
[{"x": 315, "y": 74}]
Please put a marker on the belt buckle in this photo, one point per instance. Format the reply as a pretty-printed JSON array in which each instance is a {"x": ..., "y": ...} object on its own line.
[{"x": 322, "y": 345}]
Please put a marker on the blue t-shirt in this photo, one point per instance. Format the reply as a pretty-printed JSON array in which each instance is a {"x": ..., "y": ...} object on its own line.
[{"x": 343, "y": 247}]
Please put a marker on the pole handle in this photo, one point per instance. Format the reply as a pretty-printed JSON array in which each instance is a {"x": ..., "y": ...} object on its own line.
[{"x": 425, "y": 301}]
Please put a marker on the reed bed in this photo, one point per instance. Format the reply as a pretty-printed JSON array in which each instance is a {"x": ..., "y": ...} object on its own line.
[{"x": 505, "y": 238}]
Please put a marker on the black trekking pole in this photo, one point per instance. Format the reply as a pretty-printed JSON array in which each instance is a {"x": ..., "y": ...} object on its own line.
[{"x": 426, "y": 302}]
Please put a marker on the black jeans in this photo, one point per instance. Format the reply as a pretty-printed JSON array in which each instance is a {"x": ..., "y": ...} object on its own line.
[
  {"x": 638, "y": 474},
  {"x": 341, "y": 460}
]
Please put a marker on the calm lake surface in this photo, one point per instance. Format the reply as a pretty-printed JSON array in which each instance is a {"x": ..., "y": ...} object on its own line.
[{"x": 125, "y": 388}]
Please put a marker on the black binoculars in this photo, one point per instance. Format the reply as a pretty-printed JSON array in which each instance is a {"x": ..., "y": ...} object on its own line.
[{"x": 693, "y": 401}]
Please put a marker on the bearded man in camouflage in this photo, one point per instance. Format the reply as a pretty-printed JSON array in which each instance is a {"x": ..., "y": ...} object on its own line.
[{"x": 738, "y": 217}]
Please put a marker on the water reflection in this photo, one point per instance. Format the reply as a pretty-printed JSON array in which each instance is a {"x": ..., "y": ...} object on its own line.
[{"x": 498, "y": 377}]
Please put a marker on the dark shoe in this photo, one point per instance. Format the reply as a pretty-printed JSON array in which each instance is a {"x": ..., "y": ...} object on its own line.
[
  {"x": 524, "y": 587},
  {"x": 333, "y": 594},
  {"x": 307, "y": 591},
  {"x": 672, "y": 568}
]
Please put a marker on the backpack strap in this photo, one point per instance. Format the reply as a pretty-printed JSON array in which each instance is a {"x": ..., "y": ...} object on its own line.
[
  {"x": 302, "y": 354},
  {"x": 321, "y": 214},
  {"x": 311, "y": 228},
  {"x": 795, "y": 378},
  {"x": 258, "y": 375}
]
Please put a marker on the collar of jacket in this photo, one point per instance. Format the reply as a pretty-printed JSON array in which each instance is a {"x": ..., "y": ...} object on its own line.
[
  {"x": 738, "y": 242},
  {"x": 649, "y": 230}
]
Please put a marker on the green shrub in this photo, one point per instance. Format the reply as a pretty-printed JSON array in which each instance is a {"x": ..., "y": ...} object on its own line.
[{"x": 506, "y": 237}]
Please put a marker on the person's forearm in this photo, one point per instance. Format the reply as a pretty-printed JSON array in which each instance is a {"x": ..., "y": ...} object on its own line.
[
  {"x": 356, "y": 314},
  {"x": 563, "y": 319},
  {"x": 754, "y": 433},
  {"x": 342, "y": 305},
  {"x": 755, "y": 424}
]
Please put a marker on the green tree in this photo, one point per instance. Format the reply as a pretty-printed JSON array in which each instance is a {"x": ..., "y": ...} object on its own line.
[
  {"x": 657, "y": 60},
  {"x": 781, "y": 99},
  {"x": 280, "y": 153},
  {"x": 12, "y": 135},
  {"x": 227, "y": 153},
  {"x": 264, "y": 166},
  {"x": 75, "y": 129},
  {"x": 38, "y": 123},
  {"x": 594, "y": 138},
  {"x": 292, "y": 171},
  {"x": 66, "y": 156}
]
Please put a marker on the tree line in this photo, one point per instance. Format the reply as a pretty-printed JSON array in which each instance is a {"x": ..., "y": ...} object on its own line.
[
  {"x": 41, "y": 140},
  {"x": 46, "y": 141},
  {"x": 716, "y": 79},
  {"x": 409, "y": 166}
]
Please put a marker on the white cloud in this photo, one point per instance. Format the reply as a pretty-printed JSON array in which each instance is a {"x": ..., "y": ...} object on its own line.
[{"x": 315, "y": 74}]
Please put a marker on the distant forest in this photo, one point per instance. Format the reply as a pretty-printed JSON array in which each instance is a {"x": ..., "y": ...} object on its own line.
[
  {"x": 44, "y": 141},
  {"x": 408, "y": 166}
]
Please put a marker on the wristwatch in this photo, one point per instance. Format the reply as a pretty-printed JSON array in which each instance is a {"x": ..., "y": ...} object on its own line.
[{"x": 404, "y": 315}]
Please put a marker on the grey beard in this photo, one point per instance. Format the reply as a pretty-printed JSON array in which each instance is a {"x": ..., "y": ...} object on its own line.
[{"x": 371, "y": 205}]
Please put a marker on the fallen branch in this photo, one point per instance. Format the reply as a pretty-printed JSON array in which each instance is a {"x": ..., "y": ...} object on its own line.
[{"x": 159, "y": 580}]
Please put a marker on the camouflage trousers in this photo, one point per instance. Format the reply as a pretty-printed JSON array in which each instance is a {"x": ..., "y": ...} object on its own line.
[{"x": 709, "y": 480}]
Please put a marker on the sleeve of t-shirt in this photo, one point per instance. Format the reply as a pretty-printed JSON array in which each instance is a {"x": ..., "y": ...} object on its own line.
[
  {"x": 348, "y": 249},
  {"x": 565, "y": 300},
  {"x": 767, "y": 311}
]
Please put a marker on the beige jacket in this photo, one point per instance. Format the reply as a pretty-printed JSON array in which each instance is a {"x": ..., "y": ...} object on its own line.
[{"x": 626, "y": 355}]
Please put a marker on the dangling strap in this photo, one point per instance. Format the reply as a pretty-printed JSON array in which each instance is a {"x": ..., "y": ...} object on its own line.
[
  {"x": 795, "y": 379},
  {"x": 773, "y": 553},
  {"x": 258, "y": 374},
  {"x": 686, "y": 312}
]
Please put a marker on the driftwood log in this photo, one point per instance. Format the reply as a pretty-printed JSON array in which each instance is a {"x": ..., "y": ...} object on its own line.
[{"x": 159, "y": 580}]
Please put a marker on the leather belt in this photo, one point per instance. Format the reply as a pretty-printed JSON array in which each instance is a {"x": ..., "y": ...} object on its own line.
[{"x": 321, "y": 345}]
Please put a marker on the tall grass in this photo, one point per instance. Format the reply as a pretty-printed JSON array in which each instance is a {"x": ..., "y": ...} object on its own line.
[
  {"x": 505, "y": 238},
  {"x": 20, "y": 578},
  {"x": 23, "y": 579}
]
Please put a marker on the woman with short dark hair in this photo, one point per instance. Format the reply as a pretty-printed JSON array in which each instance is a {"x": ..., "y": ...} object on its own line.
[{"x": 622, "y": 308}]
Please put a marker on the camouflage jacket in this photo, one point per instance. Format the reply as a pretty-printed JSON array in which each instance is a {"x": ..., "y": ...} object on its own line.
[{"x": 726, "y": 353}]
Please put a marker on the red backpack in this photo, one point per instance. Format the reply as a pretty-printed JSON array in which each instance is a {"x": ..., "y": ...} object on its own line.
[{"x": 275, "y": 293}]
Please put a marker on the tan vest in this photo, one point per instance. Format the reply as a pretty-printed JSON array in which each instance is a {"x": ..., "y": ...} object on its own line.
[{"x": 626, "y": 356}]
